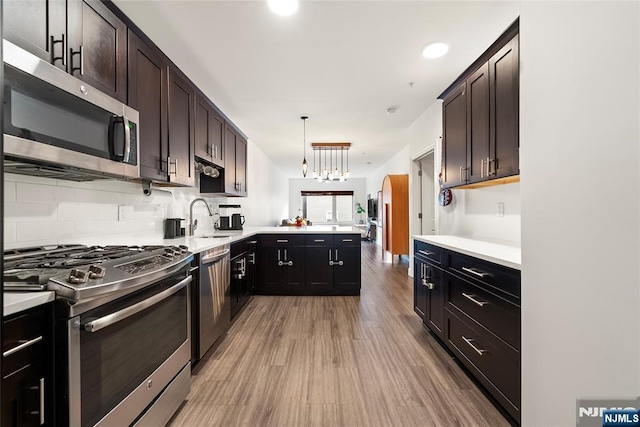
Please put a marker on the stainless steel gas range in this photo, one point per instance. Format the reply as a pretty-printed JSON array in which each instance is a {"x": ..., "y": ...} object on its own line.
[{"x": 122, "y": 328}]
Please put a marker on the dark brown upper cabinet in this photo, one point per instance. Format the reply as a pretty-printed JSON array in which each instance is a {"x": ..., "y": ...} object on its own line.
[
  {"x": 97, "y": 47},
  {"x": 181, "y": 129},
  {"x": 454, "y": 146},
  {"x": 82, "y": 37},
  {"x": 148, "y": 93},
  {"x": 233, "y": 178},
  {"x": 504, "y": 111},
  {"x": 38, "y": 26},
  {"x": 210, "y": 131},
  {"x": 480, "y": 117}
]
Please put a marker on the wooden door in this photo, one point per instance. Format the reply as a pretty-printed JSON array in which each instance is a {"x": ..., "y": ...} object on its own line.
[
  {"x": 97, "y": 47},
  {"x": 148, "y": 94},
  {"x": 435, "y": 300},
  {"x": 38, "y": 26},
  {"x": 454, "y": 137},
  {"x": 504, "y": 111},
  {"x": 419, "y": 289},
  {"x": 241, "y": 166},
  {"x": 478, "y": 124},
  {"x": 319, "y": 276},
  {"x": 181, "y": 130},
  {"x": 209, "y": 131},
  {"x": 347, "y": 275},
  {"x": 229, "y": 161}
]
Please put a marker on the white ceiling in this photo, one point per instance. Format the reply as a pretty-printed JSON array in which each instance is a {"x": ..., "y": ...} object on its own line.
[{"x": 342, "y": 63}]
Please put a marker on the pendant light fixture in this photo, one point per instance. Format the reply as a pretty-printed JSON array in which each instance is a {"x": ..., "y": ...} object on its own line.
[
  {"x": 326, "y": 170},
  {"x": 304, "y": 147}
]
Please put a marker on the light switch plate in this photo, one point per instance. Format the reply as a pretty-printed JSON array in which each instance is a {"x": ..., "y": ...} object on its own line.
[{"x": 500, "y": 209}]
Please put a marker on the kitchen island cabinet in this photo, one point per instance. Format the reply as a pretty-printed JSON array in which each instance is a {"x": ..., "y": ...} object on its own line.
[{"x": 311, "y": 264}]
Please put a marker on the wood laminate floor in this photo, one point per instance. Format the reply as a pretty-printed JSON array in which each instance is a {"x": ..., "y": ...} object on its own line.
[{"x": 335, "y": 361}]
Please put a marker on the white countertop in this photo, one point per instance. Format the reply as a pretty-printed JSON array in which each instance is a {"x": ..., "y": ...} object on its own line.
[
  {"x": 498, "y": 252},
  {"x": 200, "y": 243},
  {"x": 15, "y": 302}
]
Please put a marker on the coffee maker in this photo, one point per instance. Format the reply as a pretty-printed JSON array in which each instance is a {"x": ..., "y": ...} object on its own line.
[{"x": 229, "y": 219}]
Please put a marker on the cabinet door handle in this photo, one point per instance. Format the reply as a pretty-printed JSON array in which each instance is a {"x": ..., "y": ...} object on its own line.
[
  {"x": 282, "y": 241},
  {"x": 285, "y": 255},
  {"x": 279, "y": 255},
  {"x": 290, "y": 263},
  {"x": 330, "y": 260},
  {"x": 471, "y": 298},
  {"x": 331, "y": 263},
  {"x": 482, "y": 168},
  {"x": 489, "y": 161},
  {"x": 461, "y": 180},
  {"x": 475, "y": 272},
  {"x": 428, "y": 285},
  {"x": 280, "y": 263},
  {"x": 470, "y": 342},
  {"x": 64, "y": 50},
  {"x": 426, "y": 253},
  {"x": 336, "y": 257},
  {"x": 41, "y": 401},
  {"x": 341, "y": 263},
  {"x": 23, "y": 344},
  {"x": 81, "y": 67}
]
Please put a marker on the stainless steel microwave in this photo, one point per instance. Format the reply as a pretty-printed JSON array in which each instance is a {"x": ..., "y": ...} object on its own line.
[{"x": 57, "y": 126}]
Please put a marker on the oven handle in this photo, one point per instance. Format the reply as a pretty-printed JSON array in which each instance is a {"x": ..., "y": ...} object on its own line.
[{"x": 103, "y": 322}]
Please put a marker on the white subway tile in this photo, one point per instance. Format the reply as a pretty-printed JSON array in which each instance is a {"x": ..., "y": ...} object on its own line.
[
  {"x": 43, "y": 230},
  {"x": 23, "y": 212},
  {"x": 29, "y": 178},
  {"x": 94, "y": 196},
  {"x": 109, "y": 212},
  {"x": 9, "y": 191},
  {"x": 79, "y": 211},
  {"x": 93, "y": 228},
  {"x": 28, "y": 192},
  {"x": 24, "y": 244},
  {"x": 9, "y": 232}
]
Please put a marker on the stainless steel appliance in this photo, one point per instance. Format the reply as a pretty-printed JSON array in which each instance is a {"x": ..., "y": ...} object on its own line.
[
  {"x": 213, "y": 299},
  {"x": 60, "y": 127},
  {"x": 122, "y": 329}
]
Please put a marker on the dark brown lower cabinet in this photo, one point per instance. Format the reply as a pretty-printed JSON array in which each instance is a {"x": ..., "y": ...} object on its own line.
[
  {"x": 27, "y": 368},
  {"x": 473, "y": 306},
  {"x": 311, "y": 264}
]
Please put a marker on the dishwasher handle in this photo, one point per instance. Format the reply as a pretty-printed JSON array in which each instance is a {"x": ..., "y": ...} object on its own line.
[{"x": 208, "y": 259}]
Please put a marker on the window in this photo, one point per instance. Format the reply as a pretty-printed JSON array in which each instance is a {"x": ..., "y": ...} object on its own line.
[{"x": 327, "y": 207}]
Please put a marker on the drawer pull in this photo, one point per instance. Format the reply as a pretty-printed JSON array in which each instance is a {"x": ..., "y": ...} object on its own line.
[
  {"x": 282, "y": 241},
  {"x": 22, "y": 346},
  {"x": 428, "y": 285},
  {"x": 426, "y": 253},
  {"x": 347, "y": 240},
  {"x": 319, "y": 240},
  {"x": 470, "y": 342},
  {"x": 475, "y": 272},
  {"x": 471, "y": 297}
]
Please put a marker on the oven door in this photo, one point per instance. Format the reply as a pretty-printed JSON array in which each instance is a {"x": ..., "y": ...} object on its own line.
[{"x": 123, "y": 354}]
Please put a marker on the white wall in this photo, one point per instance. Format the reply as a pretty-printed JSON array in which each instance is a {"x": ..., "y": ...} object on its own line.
[
  {"x": 580, "y": 188},
  {"x": 41, "y": 211},
  {"x": 296, "y": 185}
]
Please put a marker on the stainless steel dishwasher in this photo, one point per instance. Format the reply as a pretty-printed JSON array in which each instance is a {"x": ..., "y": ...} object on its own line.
[{"x": 214, "y": 301}]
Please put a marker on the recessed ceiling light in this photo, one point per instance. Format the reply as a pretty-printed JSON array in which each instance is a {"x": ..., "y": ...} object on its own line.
[
  {"x": 283, "y": 7},
  {"x": 435, "y": 50},
  {"x": 391, "y": 109}
]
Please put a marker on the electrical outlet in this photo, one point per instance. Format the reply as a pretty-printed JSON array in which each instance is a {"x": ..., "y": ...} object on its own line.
[
  {"x": 121, "y": 213},
  {"x": 500, "y": 209}
]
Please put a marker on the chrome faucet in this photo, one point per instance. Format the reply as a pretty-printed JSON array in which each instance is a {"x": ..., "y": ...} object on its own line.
[{"x": 194, "y": 224}]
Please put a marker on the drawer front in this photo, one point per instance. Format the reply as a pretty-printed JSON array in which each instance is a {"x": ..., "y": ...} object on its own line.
[
  {"x": 498, "y": 277},
  {"x": 494, "y": 313},
  {"x": 428, "y": 252},
  {"x": 494, "y": 364},
  {"x": 318, "y": 240},
  {"x": 28, "y": 330},
  {"x": 346, "y": 239},
  {"x": 283, "y": 240}
]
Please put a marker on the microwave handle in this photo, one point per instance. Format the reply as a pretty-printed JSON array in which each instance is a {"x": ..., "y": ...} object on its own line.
[
  {"x": 127, "y": 140},
  {"x": 118, "y": 156}
]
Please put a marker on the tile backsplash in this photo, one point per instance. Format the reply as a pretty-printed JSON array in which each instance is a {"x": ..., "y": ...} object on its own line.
[{"x": 43, "y": 211}]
